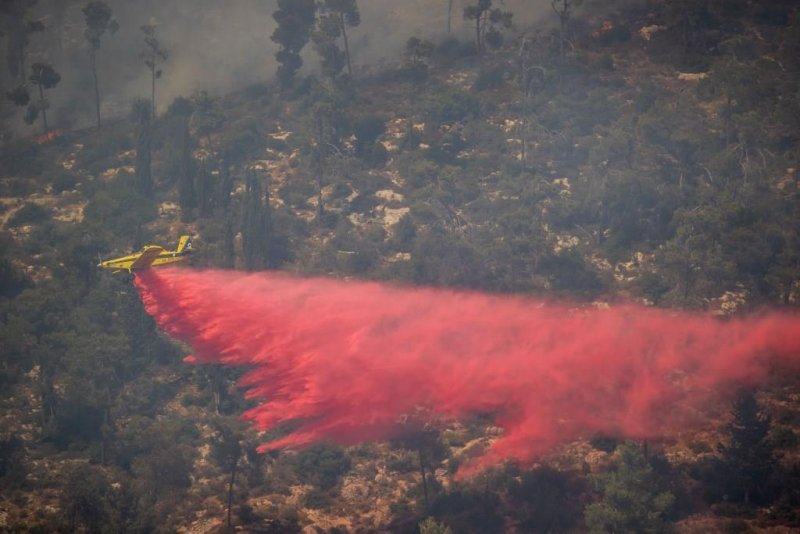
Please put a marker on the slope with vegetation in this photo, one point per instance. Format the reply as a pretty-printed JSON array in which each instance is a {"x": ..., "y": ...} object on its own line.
[{"x": 650, "y": 154}]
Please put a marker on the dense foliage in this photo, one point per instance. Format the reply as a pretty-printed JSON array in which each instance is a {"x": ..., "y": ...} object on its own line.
[{"x": 652, "y": 156}]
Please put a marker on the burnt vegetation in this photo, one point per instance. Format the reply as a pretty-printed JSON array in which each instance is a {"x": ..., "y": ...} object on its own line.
[{"x": 648, "y": 153}]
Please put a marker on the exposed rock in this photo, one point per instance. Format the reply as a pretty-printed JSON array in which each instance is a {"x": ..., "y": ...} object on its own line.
[
  {"x": 392, "y": 215},
  {"x": 692, "y": 76},
  {"x": 646, "y": 32},
  {"x": 389, "y": 195}
]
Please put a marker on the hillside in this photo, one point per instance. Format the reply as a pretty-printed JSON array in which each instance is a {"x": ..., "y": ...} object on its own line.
[{"x": 646, "y": 154}]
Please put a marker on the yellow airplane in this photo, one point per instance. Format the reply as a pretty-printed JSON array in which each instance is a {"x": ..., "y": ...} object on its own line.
[{"x": 149, "y": 256}]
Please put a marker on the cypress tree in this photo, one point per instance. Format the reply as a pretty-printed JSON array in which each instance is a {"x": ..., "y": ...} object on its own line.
[
  {"x": 256, "y": 225},
  {"x": 748, "y": 462},
  {"x": 140, "y": 114}
]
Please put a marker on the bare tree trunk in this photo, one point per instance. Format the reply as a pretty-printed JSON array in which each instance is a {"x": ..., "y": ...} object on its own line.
[
  {"x": 424, "y": 480},
  {"x": 56, "y": 30},
  {"x": 449, "y": 15},
  {"x": 478, "y": 34},
  {"x": 346, "y": 45},
  {"x": 153, "y": 90},
  {"x": 44, "y": 108},
  {"x": 96, "y": 86},
  {"x": 230, "y": 490}
]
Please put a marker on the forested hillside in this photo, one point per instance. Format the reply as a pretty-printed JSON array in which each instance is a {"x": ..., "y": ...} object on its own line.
[{"x": 599, "y": 153}]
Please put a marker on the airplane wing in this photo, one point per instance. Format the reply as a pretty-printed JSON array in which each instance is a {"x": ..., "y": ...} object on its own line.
[{"x": 147, "y": 258}]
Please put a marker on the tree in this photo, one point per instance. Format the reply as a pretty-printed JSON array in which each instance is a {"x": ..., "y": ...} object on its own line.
[
  {"x": 295, "y": 20},
  {"x": 228, "y": 248},
  {"x": 152, "y": 55},
  {"x": 477, "y": 13},
  {"x": 335, "y": 17},
  {"x": 141, "y": 114},
  {"x": 418, "y": 50},
  {"x": 181, "y": 111},
  {"x": 40, "y": 312},
  {"x": 205, "y": 191},
  {"x": 322, "y": 464},
  {"x": 690, "y": 19},
  {"x": 44, "y": 77},
  {"x": 257, "y": 232},
  {"x": 488, "y": 22},
  {"x": 324, "y": 37},
  {"x": 346, "y": 13},
  {"x": 748, "y": 458},
  {"x": 84, "y": 499},
  {"x": 449, "y": 15},
  {"x": 430, "y": 451},
  {"x": 325, "y": 155},
  {"x": 98, "y": 18},
  {"x": 632, "y": 500},
  {"x": 164, "y": 471},
  {"x": 19, "y": 95},
  {"x": 206, "y": 116},
  {"x": 545, "y": 500},
  {"x": 19, "y": 30},
  {"x": 564, "y": 9},
  {"x": 223, "y": 192},
  {"x": 226, "y": 451}
]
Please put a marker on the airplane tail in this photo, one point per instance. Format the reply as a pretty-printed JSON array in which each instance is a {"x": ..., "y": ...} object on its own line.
[{"x": 184, "y": 244}]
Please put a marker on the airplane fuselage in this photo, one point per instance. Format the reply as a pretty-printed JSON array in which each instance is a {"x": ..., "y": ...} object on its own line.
[{"x": 149, "y": 256}]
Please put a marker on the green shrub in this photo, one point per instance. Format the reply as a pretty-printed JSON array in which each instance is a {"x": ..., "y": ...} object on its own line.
[
  {"x": 363, "y": 203},
  {"x": 64, "y": 180},
  {"x": 421, "y": 173},
  {"x": 340, "y": 190},
  {"x": 489, "y": 78},
  {"x": 21, "y": 158},
  {"x": 783, "y": 437},
  {"x": 30, "y": 213},
  {"x": 296, "y": 192},
  {"x": 404, "y": 232},
  {"x": 98, "y": 155},
  {"x": 322, "y": 465},
  {"x": 451, "y": 49},
  {"x": 402, "y": 462},
  {"x": 412, "y": 72},
  {"x": 317, "y": 498},
  {"x": 454, "y": 105},
  {"x": 604, "y": 443},
  {"x": 120, "y": 209},
  {"x": 17, "y": 187},
  {"x": 367, "y": 129}
]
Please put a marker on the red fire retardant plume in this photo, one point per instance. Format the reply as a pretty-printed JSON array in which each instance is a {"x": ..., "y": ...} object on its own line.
[{"x": 346, "y": 361}]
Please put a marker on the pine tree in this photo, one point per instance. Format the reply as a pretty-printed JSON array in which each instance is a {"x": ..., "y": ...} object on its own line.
[
  {"x": 564, "y": 9},
  {"x": 748, "y": 462},
  {"x": 18, "y": 30},
  {"x": 152, "y": 55},
  {"x": 295, "y": 20},
  {"x": 98, "y": 18},
  {"x": 335, "y": 17},
  {"x": 631, "y": 498}
]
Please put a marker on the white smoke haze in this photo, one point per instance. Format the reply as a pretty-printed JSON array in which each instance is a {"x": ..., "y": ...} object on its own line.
[{"x": 217, "y": 46}]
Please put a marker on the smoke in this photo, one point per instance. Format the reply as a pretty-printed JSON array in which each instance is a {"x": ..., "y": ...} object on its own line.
[
  {"x": 347, "y": 361},
  {"x": 214, "y": 45},
  {"x": 219, "y": 46}
]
